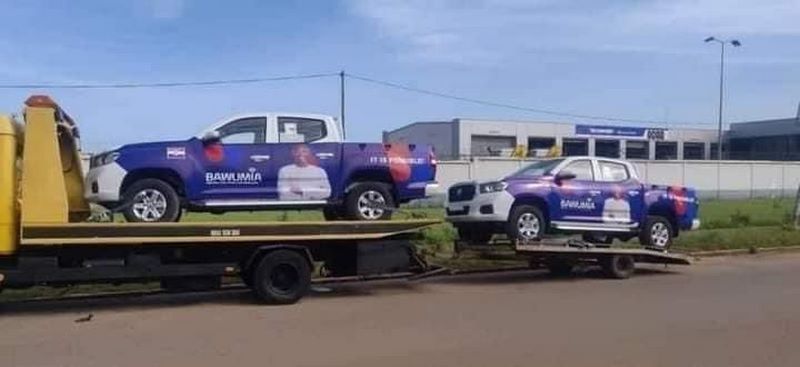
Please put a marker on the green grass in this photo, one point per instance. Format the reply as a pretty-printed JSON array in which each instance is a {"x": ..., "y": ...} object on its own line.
[{"x": 745, "y": 213}]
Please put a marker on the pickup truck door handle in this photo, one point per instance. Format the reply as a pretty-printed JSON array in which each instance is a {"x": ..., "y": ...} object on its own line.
[
  {"x": 594, "y": 192},
  {"x": 324, "y": 155},
  {"x": 259, "y": 158}
]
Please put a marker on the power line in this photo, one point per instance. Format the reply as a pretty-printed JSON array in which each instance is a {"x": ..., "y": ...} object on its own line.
[
  {"x": 219, "y": 82},
  {"x": 503, "y": 105}
]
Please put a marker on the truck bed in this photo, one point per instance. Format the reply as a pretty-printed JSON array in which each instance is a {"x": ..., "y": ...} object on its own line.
[{"x": 223, "y": 233}]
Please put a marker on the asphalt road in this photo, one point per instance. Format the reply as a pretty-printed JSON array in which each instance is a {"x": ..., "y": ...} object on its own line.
[{"x": 742, "y": 311}]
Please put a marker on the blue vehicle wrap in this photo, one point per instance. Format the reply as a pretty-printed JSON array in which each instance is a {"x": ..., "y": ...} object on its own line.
[{"x": 203, "y": 171}]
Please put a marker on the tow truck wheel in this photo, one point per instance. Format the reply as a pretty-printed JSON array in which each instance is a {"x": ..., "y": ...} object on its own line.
[
  {"x": 656, "y": 234},
  {"x": 151, "y": 200},
  {"x": 618, "y": 266},
  {"x": 369, "y": 201},
  {"x": 282, "y": 277}
]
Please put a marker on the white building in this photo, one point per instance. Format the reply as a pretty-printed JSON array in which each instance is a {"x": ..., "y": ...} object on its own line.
[{"x": 461, "y": 138}]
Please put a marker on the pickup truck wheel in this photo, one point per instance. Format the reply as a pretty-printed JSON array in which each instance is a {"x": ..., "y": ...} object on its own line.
[
  {"x": 526, "y": 223},
  {"x": 369, "y": 201},
  {"x": 657, "y": 233},
  {"x": 151, "y": 200},
  {"x": 282, "y": 277}
]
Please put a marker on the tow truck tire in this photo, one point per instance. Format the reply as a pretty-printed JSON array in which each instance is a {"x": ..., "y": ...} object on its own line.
[
  {"x": 526, "y": 223},
  {"x": 281, "y": 277},
  {"x": 656, "y": 234},
  {"x": 618, "y": 266},
  {"x": 362, "y": 199},
  {"x": 160, "y": 191}
]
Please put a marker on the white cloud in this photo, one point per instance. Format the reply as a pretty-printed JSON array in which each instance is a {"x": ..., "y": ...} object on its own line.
[
  {"x": 167, "y": 9},
  {"x": 489, "y": 31}
]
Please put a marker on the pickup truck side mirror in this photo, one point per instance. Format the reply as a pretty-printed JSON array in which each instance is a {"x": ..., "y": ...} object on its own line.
[
  {"x": 210, "y": 137},
  {"x": 564, "y": 176}
]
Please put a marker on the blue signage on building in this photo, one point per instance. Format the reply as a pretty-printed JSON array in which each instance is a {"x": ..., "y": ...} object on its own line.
[{"x": 610, "y": 130}]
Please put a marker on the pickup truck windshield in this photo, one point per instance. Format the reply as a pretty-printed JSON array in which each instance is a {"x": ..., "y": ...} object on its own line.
[{"x": 539, "y": 168}]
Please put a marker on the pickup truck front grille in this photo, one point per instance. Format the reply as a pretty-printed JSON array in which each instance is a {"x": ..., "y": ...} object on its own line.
[{"x": 461, "y": 193}]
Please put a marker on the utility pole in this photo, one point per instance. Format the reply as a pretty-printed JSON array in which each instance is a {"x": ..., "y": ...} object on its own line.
[{"x": 341, "y": 102}]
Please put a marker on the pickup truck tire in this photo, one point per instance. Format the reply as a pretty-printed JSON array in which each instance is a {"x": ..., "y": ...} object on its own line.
[
  {"x": 281, "y": 277},
  {"x": 526, "y": 223},
  {"x": 151, "y": 200},
  {"x": 657, "y": 233},
  {"x": 369, "y": 201}
]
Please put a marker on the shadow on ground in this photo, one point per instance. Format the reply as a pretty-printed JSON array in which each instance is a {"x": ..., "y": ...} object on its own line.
[{"x": 240, "y": 296}]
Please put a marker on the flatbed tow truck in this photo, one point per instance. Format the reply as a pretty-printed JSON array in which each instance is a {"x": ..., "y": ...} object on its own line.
[{"x": 45, "y": 238}]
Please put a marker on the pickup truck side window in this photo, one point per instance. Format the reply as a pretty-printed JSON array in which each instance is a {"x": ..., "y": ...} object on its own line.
[
  {"x": 613, "y": 172},
  {"x": 251, "y": 130},
  {"x": 582, "y": 170},
  {"x": 300, "y": 130}
]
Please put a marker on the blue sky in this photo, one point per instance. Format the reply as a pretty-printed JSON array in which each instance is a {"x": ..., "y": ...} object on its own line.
[{"x": 632, "y": 59}]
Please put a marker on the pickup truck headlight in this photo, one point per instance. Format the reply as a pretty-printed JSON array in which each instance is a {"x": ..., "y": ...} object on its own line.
[
  {"x": 492, "y": 187},
  {"x": 104, "y": 159}
]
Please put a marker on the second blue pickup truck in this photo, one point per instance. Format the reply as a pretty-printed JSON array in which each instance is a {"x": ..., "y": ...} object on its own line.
[
  {"x": 600, "y": 198},
  {"x": 262, "y": 161}
]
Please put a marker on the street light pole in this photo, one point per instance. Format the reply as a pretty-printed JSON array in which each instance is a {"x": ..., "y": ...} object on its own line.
[{"x": 722, "y": 43}]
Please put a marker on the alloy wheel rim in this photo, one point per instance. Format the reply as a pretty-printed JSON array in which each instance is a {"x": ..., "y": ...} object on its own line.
[
  {"x": 149, "y": 205},
  {"x": 528, "y": 226},
  {"x": 659, "y": 235},
  {"x": 370, "y": 204}
]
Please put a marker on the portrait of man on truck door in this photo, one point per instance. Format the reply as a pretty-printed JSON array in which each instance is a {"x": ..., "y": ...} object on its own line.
[
  {"x": 616, "y": 208},
  {"x": 303, "y": 179}
]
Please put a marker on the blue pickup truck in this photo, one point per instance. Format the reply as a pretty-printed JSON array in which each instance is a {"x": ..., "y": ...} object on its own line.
[
  {"x": 258, "y": 162},
  {"x": 600, "y": 198}
]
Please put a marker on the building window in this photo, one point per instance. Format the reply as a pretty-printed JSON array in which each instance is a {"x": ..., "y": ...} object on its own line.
[
  {"x": 694, "y": 150},
  {"x": 637, "y": 149},
  {"x": 573, "y": 147},
  {"x": 538, "y": 147},
  {"x": 606, "y": 148},
  {"x": 486, "y": 145},
  {"x": 666, "y": 150}
]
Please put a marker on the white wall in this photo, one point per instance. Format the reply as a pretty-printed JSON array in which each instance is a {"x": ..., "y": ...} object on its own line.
[{"x": 711, "y": 179}]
